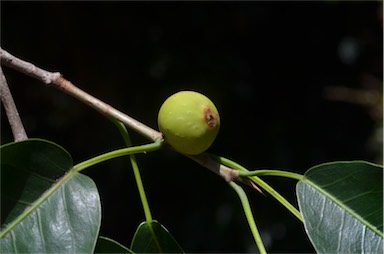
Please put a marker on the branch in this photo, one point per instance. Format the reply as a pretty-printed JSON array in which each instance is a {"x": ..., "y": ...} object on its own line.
[
  {"x": 206, "y": 160},
  {"x": 27, "y": 68},
  {"x": 56, "y": 80},
  {"x": 11, "y": 110}
]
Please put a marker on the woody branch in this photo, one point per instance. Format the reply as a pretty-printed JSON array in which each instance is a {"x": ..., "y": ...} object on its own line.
[{"x": 56, "y": 80}]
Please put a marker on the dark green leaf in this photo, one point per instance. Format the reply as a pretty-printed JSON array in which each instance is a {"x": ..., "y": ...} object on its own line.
[
  {"x": 107, "y": 245},
  {"x": 342, "y": 207},
  {"x": 154, "y": 238},
  {"x": 45, "y": 207}
]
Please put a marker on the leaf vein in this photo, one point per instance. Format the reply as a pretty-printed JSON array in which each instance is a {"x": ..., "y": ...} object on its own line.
[
  {"x": 339, "y": 241},
  {"x": 13, "y": 239},
  {"x": 339, "y": 203},
  {"x": 62, "y": 192},
  {"x": 322, "y": 212},
  {"x": 362, "y": 239},
  {"x": 39, "y": 223}
]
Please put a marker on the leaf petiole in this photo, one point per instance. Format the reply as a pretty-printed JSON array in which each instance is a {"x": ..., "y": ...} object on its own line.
[
  {"x": 262, "y": 184},
  {"x": 248, "y": 214},
  {"x": 124, "y": 133},
  {"x": 118, "y": 153},
  {"x": 269, "y": 172}
]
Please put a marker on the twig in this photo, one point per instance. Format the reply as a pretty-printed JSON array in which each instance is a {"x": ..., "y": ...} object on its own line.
[
  {"x": 14, "y": 120},
  {"x": 206, "y": 160},
  {"x": 56, "y": 80},
  {"x": 27, "y": 68},
  {"x": 67, "y": 87}
]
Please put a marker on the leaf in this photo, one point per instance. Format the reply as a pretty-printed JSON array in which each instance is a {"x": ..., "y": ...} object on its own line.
[
  {"x": 28, "y": 169},
  {"x": 342, "y": 207},
  {"x": 152, "y": 237},
  {"x": 45, "y": 207},
  {"x": 107, "y": 245}
]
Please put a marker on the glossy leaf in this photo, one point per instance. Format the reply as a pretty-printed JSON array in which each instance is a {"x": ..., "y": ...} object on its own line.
[
  {"x": 342, "y": 207},
  {"x": 107, "y": 245},
  {"x": 45, "y": 207},
  {"x": 154, "y": 238}
]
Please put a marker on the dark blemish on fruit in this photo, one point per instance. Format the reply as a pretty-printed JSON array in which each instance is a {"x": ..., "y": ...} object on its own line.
[{"x": 210, "y": 117}]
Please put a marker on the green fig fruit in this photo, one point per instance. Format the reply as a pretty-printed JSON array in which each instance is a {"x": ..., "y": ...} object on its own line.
[{"x": 189, "y": 122}]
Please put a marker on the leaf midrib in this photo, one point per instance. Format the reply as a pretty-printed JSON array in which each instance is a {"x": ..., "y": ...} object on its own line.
[
  {"x": 38, "y": 202},
  {"x": 343, "y": 206}
]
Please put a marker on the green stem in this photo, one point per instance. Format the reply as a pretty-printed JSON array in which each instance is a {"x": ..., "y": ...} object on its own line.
[
  {"x": 118, "y": 153},
  {"x": 268, "y": 172},
  {"x": 277, "y": 196},
  {"x": 136, "y": 171},
  {"x": 248, "y": 213},
  {"x": 263, "y": 185}
]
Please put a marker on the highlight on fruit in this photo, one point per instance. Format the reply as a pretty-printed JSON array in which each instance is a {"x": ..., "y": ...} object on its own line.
[{"x": 189, "y": 122}]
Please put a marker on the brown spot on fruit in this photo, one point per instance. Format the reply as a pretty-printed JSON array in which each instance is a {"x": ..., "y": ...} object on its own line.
[{"x": 210, "y": 117}]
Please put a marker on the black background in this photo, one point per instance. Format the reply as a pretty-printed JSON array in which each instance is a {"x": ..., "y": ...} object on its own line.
[{"x": 267, "y": 67}]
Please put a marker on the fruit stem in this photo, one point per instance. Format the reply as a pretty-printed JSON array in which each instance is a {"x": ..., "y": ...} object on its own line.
[{"x": 248, "y": 213}]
